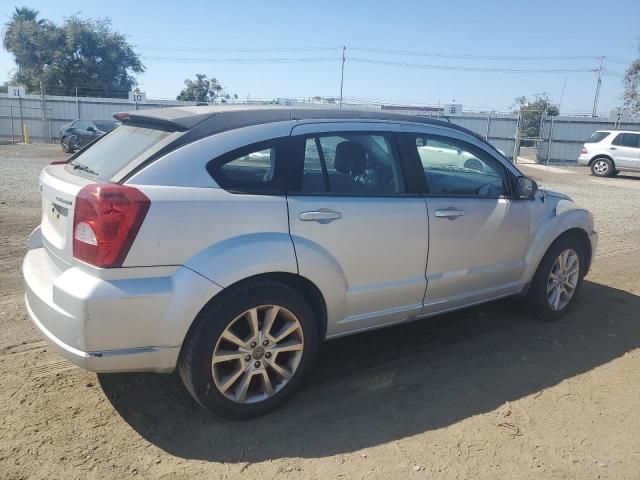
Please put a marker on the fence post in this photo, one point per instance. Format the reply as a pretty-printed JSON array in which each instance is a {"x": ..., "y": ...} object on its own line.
[
  {"x": 550, "y": 140},
  {"x": 11, "y": 113},
  {"x": 43, "y": 107},
  {"x": 21, "y": 118},
  {"x": 516, "y": 138},
  {"x": 486, "y": 137},
  {"x": 77, "y": 104}
]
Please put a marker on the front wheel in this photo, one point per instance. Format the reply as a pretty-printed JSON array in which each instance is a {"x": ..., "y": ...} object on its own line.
[
  {"x": 558, "y": 279},
  {"x": 249, "y": 350},
  {"x": 66, "y": 145},
  {"x": 602, "y": 167}
]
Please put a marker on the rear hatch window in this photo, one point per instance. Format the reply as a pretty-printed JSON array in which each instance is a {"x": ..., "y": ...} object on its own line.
[
  {"x": 597, "y": 137},
  {"x": 113, "y": 152}
]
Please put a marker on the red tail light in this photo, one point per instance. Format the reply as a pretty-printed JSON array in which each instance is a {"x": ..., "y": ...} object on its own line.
[
  {"x": 106, "y": 220},
  {"x": 583, "y": 150}
]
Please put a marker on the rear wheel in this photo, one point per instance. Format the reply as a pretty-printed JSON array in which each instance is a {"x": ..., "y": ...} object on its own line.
[
  {"x": 602, "y": 167},
  {"x": 558, "y": 279},
  {"x": 249, "y": 350}
]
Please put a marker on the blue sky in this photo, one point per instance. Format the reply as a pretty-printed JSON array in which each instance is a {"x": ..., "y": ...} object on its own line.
[{"x": 479, "y": 28}]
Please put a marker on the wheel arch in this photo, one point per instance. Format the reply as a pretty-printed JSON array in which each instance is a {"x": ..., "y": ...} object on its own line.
[
  {"x": 583, "y": 238},
  {"x": 302, "y": 285},
  {"x": 602, "y": 155}
]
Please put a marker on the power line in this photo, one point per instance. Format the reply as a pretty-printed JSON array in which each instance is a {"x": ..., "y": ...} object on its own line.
[
  {"x": 385, "y": 51},
  {"x": 238, "y": 50},
  {"x": 243, "y": 60},
  {"x": 470, "y": 69},
  {"x": 472, "y": 56}
]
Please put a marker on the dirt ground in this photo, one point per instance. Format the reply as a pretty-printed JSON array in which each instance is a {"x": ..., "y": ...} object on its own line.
[{"x": 486, "y": 393}]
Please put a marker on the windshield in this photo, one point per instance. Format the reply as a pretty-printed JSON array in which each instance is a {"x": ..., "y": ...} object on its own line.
[
  {"x": 106, "y": 125},
  {"x": 114, "y": 151}
]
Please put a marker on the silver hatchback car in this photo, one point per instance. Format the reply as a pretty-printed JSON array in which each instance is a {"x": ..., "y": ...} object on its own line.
[{"x": 230, "y": 242}]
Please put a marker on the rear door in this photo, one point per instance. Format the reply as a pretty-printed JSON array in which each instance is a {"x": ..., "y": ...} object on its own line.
[
  {"x": 359, "y": 231},
  {"x": 477, "y": 232},
  {"x": 625, "y": 149}
]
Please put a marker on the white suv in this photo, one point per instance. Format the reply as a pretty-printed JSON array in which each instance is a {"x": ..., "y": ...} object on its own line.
[
  {"x": 608, "y": 152},
  {"x": 229, "y": 243}
]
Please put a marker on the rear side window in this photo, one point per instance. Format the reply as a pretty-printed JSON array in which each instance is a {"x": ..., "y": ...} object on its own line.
[
  {"x": 597, "y": 137},
  {"x": 358, "y": 164},
  {"x": 115, "y": 151},
  {"x": 628, "y": 140},
  {"x": 250, "y": 169}
]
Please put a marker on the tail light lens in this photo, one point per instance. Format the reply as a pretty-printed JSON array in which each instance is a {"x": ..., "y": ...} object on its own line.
[
  {"x": 583, "y": 150},
  {"x": 106, "y": 220}
]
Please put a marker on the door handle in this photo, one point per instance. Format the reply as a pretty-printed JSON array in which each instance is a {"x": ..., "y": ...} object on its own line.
[
  {"x": 450, "y": 213},
  {"x": 322, "y": 215},
  {"x": 612, "y": 148}
]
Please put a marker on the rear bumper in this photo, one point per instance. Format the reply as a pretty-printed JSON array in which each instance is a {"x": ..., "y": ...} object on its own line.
[
  {"x": 140, "y": 359},
  {"x": 584, "y": 160},
  {"x": 126, "y": 325}
]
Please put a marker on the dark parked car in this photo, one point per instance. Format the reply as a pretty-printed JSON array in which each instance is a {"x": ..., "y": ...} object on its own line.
[{"x": 79, "y": 133}]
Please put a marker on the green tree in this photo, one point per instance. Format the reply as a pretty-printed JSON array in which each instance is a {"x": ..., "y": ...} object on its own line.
[
  {"x": 20, "y": 15},
  {"x": 82, "y": 53},
  {"x": 204, "y": 89},
  {"x": 632, "y": 87},
  {"x": 533, "y": 110}
]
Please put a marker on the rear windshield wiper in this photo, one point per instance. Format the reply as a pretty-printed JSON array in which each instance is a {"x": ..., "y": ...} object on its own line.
[{"x": 83, "y": 167}]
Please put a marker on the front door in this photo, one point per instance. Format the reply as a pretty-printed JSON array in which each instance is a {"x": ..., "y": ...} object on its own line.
[
  {"x": 478, "y": 234},
  {"x": 357, "y": 231}
]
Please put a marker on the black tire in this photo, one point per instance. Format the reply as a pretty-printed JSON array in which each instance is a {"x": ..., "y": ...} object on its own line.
[
  {"x": 536, "y": 298},
  {"x": 195, "y": 360},
  {"x": 602, "y": 167},
  {"x": 66, "y": 145}
]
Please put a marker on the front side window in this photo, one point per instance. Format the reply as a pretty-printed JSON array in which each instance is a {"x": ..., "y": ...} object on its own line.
[
  {"x": 456, "y": 168},
  {"x": 350, "y": 164},
  {"x": 251, "y": 169},
  {"x": 628, "y": 140}
]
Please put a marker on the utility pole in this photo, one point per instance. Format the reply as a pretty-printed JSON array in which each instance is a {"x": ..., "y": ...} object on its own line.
[
  {"x": 595, "y": 100},
  {"x": 344, "y": 49}
]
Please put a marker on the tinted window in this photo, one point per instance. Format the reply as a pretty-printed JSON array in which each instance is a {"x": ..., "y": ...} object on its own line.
[
  {"x": 597, "y": 137},
  {"x": 250, "y": 169},
  {"x": 114, "y": 151},
  {"x": 351, "y": 164},
  {"x": 105, "y": 125},
  {"x": 82, "y": 124},
  {"x": 453, "y": 167},
  {"x": 628, "y": 140}
]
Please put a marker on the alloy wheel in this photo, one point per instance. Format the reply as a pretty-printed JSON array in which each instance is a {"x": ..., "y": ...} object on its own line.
[
  {"x": 600, "y": 167},
  {"x": 257, "y": 354},
  {"x": 563, "y": 279}
]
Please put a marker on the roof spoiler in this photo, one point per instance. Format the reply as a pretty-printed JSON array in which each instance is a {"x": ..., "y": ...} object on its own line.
[{"x": 130, "y": 118}]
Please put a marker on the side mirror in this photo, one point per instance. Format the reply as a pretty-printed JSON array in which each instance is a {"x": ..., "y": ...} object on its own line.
[
  {"x": 91, "y": 129},
  {"x": 526, "y": 188}
]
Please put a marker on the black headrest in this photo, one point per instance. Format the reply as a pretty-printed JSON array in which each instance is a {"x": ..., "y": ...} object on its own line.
[{"x": 351, "y": 158}]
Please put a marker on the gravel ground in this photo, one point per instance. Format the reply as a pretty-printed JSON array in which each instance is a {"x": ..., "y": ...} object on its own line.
[{"x": 485, "y": 393}]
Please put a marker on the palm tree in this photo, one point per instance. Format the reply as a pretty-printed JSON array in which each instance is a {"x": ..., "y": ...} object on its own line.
[{"x": 21, "y": 14}]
